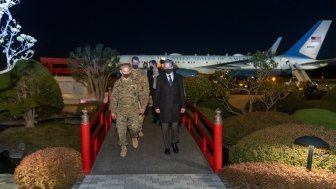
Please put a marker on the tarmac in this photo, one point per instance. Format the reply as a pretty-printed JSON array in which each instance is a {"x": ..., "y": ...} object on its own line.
[{"x": 147, "y": 167}]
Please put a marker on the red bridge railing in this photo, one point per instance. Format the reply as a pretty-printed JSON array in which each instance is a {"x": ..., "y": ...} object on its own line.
[
  {"x": 93, "y": 133},
  {"x": 208, "y": 135},
  {"x": 56, "y": 65}
]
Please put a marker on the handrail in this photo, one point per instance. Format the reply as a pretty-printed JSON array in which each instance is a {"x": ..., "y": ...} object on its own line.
[
  {"x": 93, "y": 133},
  {"x": 209, "y": 139}
]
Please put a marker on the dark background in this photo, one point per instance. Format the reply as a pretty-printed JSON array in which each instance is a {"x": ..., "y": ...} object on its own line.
[{"x": 175, "y": 26}]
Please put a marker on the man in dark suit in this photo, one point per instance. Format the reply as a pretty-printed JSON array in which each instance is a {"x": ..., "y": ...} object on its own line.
[{"x": 169, "y": 104}]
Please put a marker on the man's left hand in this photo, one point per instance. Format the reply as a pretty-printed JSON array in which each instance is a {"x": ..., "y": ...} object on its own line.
[{"x": 183, "y": 110}]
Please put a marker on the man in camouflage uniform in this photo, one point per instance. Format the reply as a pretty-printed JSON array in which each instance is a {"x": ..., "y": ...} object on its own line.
[
  {"x": 140, "y": 76},
  {"x": 125, "y": 107}
]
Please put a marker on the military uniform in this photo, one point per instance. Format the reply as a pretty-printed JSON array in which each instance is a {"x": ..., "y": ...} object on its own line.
[
  {"x": 140, "y": 76},
  {"x": 125, "y": 104}
]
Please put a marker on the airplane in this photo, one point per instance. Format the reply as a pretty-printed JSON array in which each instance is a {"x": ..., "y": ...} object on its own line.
[
  {"x": 300, "y": 57},
  {"x": 189, "y": 65}
]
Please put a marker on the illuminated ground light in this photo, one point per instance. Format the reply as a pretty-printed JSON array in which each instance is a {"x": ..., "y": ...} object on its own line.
[{"x": 311, "y": 142}]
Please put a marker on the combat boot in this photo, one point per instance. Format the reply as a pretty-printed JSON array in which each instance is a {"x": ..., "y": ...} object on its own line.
[
  {"x": 135, "y": 143},
  {"x": 141, "y": 134},
  {"x": 123, "y": 151}
]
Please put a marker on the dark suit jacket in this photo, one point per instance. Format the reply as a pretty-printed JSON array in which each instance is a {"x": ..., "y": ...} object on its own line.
[{"x": 169, "y": 99}]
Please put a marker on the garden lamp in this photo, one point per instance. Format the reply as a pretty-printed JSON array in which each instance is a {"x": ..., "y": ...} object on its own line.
[{"x": 312, "y": 142}]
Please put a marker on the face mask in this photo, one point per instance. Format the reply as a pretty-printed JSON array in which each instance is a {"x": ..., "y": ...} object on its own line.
[
  {"x": 168, "y": 71},
  {"x": 126, "y": 75},
  {"x": 135, "y": 66}
]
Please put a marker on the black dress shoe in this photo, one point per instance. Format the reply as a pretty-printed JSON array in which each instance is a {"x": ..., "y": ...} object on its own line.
[
  {"x": 167, "y": 151},
  {"x": 175, "y": 148}
]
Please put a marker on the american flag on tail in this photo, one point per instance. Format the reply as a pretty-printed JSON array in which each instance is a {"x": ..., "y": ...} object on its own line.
[{"x": 315, "y": 39}]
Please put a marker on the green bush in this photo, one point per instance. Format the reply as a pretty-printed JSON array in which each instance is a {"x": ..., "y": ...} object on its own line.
[
  {"x": 321, "y": 104},
  {"x": 330, "y": 95},
  {"x": 296, "y": 101},
  {"x": 209, "y": 113},
  {"x": 211, "y": 103},
  {"x": 275, "y": 144},
  {"x": 47, "y": 134},
  {"x": 30, "y": 86},
  {"x": 319, "y": 117},
  {"x": 277, "y": 176},
  {"x": 49, "y": 168},
  {"x": 237, "y": 127},
  {"x": 292, "y": 103},
  {"x": 197, "y": 88}
]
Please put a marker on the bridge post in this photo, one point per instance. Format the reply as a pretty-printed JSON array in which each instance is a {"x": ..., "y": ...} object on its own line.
[
  {"x": 85, "y": 137},
  {"x": 109, "y": 94},
  {"x": 217, "y": 137},
  {"x": 109, "y": 120}
]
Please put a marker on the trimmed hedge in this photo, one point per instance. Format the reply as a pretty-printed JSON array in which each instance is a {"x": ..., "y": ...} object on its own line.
[
  {"x": 57, "y": 167},
  {"x": 197, "y": 88},
  {"x": 319, "y": 117},
  {"x": 292, "y": 103},
  {"x": 276, "y": 175},
  {"x": 296, "y": 101},
  {"x": 330, "y": 95},
  {"x": 237, "y": 127},
  {"x": 275, "y": 144}
]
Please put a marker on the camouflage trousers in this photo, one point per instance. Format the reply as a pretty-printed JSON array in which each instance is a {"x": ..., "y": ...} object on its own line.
[
  {"x": 130, "y": 121},
  {"x": 141, "y": 121}
]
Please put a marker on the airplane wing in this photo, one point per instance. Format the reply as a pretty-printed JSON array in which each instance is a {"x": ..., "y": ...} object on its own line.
[{"x": 325, "y": 61}]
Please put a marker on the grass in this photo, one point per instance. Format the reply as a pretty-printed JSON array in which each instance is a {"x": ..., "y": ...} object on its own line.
[
  {"x": 319, "y": 117},
  {"x": 49, "y": 134}
]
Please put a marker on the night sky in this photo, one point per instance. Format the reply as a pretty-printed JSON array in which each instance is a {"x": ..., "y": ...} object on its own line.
[{"x": 175, "y": 26}]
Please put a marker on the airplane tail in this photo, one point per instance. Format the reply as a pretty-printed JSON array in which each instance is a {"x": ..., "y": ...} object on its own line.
[
  {"x": 275, "y": 46},
  {"x": 309, "y": 45}
]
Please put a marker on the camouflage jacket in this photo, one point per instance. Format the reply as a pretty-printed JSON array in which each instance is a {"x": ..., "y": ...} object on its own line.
[
  {"x": 140, "y": 76},
  {"x": 126, "y": 95}
]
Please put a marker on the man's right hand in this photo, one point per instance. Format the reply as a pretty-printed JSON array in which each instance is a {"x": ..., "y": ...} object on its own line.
[
  {"x": 157, "y": 110},
  {"x": 114, "y": 116}
]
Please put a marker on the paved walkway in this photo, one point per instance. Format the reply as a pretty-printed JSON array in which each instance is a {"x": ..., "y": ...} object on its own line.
[{"x": 148, "y": 166}]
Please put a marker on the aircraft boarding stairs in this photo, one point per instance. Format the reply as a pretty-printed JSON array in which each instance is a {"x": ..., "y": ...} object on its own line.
[{"x": 301, "y": 77}]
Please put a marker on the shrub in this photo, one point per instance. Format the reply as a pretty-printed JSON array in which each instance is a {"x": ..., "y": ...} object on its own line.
[
  {"x": 197, "y": 88},
  {"x": 296, "y": 101},
  {"x": 292, "y": 103},
  {"x": 57, "y": 167},
  {"x": 275, "y": 144},
  {"x": 237, "y": 127},
  {"x": 209, "y": 113},
  {"x": 330, "y": 95},
  {"x": 276, "y": 175},
  {"x": 31, "y": 88},
  {"x": 319, "y": 117},
  {"x": 318, "y": 104},
  {"x": 212, "y": 103}
]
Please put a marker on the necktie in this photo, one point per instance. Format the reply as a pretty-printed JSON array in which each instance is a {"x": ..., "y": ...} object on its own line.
[{"x": 170, "y": 80}]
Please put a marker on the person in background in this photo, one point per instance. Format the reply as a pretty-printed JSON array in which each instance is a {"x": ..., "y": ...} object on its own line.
[
  {"x": 169, "y": 103},
  {"x": 152, "y": 74},
  {"x": 139, "y": 75}
]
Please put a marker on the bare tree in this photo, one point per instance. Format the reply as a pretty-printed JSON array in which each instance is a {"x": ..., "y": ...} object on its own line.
[
  {"x": 93, "y": 67},
  {"x": 260, "y": 88}
]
